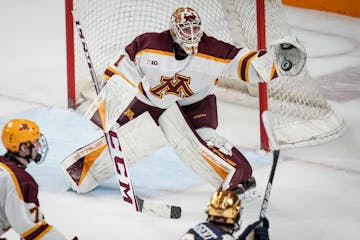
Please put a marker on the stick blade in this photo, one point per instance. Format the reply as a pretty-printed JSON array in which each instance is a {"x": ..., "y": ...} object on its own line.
[{"x": 158, "y": 208}]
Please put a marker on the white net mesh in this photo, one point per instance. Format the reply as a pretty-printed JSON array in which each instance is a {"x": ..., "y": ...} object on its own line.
[{"x": 301, "y": 115}]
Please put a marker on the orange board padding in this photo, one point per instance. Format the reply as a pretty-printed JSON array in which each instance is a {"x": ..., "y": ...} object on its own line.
[{"x": 344, "y": 7}]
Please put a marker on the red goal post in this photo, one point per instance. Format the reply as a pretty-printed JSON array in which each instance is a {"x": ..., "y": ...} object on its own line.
[{"x": 301, "y": 116}]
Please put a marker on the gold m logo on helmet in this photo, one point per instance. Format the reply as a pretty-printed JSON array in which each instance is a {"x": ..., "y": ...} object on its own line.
[
  {"x": 190, "y": 18},
  {"x": 178, "y": 86},
  {"x": 24, "y": 126}
]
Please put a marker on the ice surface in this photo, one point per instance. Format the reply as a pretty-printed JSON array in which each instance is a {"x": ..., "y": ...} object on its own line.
[{"x": 316, "y": 189}]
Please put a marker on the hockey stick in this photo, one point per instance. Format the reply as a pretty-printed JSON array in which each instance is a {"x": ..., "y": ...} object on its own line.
[
  {"x": 266, "y": 118},
  {"x": 276, "y": 152},
  {"x": 265, "y": 202},
  {"x": 121, "y": 168}
]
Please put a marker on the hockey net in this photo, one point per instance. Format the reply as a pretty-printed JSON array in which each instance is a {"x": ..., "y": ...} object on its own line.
[{"x": 301, "y": 116}]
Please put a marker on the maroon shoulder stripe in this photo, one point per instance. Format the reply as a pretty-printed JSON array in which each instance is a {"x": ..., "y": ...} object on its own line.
[
  {"x": 244, "y": 66},
  {"x": 108, "y": 73},
  {"x": 24, "y": 182},
  {"x": 216, "y": 48}
]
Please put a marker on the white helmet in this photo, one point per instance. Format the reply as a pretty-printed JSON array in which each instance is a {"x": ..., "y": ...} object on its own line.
[{"x": 186, "y": 29}]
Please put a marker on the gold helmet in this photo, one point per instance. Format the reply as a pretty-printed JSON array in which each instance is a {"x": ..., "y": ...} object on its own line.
[
  {"x": 224, "y": 207},
  {"x": 24, "y": 131},
  {"x": 186, "y": 29},
  {"x": 18, "y": 131}
]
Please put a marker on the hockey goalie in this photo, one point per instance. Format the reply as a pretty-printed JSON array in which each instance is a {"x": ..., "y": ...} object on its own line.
[{"x": 159, "y": 91}]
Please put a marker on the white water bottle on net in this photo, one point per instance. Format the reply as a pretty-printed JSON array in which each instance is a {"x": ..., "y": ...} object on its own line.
[{"x": 301, "y": 116}]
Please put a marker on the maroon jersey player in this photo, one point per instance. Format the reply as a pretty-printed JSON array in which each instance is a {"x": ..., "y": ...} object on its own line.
[{"x": 19, "y": 203}]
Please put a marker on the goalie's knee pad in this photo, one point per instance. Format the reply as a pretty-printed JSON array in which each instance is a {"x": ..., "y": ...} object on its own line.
[
  {"x": 189, "y": 148},
  {"x": 140, "y": 138},
  {"x": 216, "y": 159}
]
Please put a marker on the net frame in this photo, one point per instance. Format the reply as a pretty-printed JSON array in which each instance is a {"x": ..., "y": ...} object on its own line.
[{"x": 301, "y": 116}]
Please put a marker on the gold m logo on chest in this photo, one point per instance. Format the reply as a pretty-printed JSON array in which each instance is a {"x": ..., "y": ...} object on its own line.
[{"x": 178, "y": 86}]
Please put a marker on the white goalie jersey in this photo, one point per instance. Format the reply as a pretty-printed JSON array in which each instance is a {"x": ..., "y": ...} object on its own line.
[{"x": 150, "y": 64}]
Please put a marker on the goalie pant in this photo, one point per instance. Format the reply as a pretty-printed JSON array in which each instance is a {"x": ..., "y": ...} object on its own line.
[
  {"x": 20, "y": 205},
  {"x": 202, "y": 119}
]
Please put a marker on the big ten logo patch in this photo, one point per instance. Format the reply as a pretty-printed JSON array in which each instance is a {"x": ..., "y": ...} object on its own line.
[{"x": 153, "y": 62}]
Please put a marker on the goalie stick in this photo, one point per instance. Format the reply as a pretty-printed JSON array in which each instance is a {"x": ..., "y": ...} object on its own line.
[
  {"x": 276, "y": 152},
  {"x": 121, "y": 168}
]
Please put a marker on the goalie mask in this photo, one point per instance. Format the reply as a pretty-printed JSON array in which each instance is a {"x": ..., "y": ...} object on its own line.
[
  {"x": 225, "y": 208},
  {"x": 186, "y": 29},
  {"x": 22, "y": 131}
]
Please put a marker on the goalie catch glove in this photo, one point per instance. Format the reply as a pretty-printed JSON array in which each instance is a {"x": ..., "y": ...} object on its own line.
[
  {"x": 290, "y": 56},
  {"x": 211, "y": 138}
]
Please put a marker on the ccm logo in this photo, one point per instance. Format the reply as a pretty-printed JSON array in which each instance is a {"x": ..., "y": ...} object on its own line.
[{"x": 120, "y": 167}]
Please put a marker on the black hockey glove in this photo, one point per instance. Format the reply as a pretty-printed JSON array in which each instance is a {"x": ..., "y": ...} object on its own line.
[{"x": 261, "y": 232}]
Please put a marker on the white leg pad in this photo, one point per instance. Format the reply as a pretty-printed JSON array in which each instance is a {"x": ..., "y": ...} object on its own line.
[
  {"x": 90, "y": 165},
  {"x": 112, "y": 100},
  {"x": 188, "y": 147},
  {"x": 140, "y": 138}
]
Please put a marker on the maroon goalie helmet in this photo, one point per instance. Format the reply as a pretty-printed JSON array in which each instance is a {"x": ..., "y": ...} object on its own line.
[{"x": 186, "y": 29}]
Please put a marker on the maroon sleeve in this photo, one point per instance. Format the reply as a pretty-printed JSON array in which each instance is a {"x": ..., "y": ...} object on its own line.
[
  {"x": 151, "y": 40},
  {"x": 132, "y": 49},
  {"x": 214, "y": 47}
]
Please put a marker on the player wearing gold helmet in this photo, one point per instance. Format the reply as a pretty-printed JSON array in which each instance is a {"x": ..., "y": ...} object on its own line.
[
  {"x": 19, "y": 203},
  {"x": 224, "y": 219}
]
